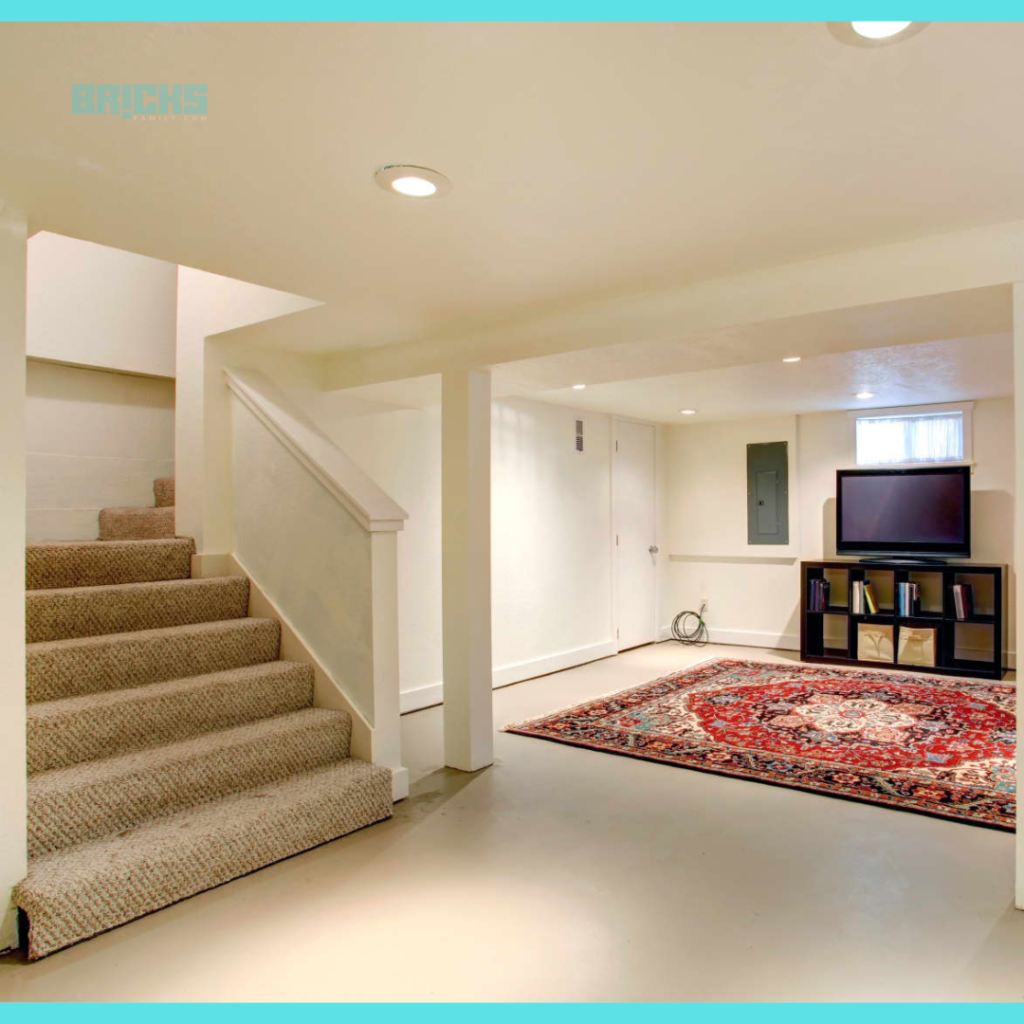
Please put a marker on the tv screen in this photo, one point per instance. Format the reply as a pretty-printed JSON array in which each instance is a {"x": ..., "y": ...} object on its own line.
[{"x": 904, "y": 511}]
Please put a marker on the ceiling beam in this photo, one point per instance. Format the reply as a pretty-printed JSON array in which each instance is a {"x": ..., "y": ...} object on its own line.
[{"x": 977, "y": 258}]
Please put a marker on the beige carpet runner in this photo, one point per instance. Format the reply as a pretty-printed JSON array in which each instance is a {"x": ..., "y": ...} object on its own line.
[{"x": 169, "y": 749}]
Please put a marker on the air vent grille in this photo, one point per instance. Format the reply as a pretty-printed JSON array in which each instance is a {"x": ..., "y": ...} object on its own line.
[{"x": 579, "y": 435}]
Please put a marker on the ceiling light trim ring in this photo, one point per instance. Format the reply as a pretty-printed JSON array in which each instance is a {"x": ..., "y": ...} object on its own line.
[{"x": 388, "y": 174}]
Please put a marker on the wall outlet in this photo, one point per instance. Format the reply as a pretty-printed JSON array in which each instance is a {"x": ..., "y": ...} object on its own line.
[{"x": 704, "y": 603}]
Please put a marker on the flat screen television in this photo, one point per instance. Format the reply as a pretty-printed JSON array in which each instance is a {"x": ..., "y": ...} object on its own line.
[{"x": 907, "y": 512}]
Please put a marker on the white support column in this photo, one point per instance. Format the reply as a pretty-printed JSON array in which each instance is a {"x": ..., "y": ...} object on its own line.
[
  {"x": 387, "y": 730},
  {"x": 1018, "y": 545},
  {"x": 466, "y": 568},
  {"x": 13, "y": 835},
  {"x": 190, "y": 411}
]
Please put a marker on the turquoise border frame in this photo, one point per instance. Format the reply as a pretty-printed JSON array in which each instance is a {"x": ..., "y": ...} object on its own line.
[
  {"x": 507, "y": 1013},
  {"x": 507, "y": 10},
  {"x": 515, "y": 1013}
]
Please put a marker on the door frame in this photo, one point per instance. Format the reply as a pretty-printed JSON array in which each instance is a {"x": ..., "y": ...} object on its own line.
[{"x": 613, "y": 549}]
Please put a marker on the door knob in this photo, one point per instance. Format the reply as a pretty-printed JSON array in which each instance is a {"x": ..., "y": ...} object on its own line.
[{"x": 653, "y": 549}]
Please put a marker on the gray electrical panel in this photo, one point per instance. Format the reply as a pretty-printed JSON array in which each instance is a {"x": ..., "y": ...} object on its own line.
[{"x": 768, "y": 493}]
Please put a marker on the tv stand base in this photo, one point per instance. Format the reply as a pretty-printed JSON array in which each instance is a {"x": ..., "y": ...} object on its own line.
[{"x": 886, "y": 560}]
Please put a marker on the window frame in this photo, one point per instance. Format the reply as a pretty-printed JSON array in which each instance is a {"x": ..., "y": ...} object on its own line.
[{"x": 965, "y": 409}]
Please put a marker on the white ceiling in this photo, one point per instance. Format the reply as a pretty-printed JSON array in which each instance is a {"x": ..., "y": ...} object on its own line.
[
  {"x": 958, "y": 369},
  {"x": 929, "y": 372},
  {"x": 961, "y": 314},
  {"x": 588, "y": 160}
]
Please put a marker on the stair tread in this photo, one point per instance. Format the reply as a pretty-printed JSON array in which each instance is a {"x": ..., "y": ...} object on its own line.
[
  {"x": 82, "y": 890},
  {"x": 111, "y": 698},
  {"x": 157, "y": 758},
  {"x": 143, "y": 586},
  {"x": 68, "y": 612},
  {"x": 92, "y": 799},
  {"x": 66, "y": 564},
  {"x": 109, "y": 545},
  {"x": 113, "y": 661},
  {"x": 76, "y": 642},
  {"x": 154, "y": 511},
  {"x": 71, "y": 730}
]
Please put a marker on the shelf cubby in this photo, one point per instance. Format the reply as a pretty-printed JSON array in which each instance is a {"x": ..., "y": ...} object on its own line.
[
  {"x": 839, "y": 594},
  {"x": 931, "y": 588},
  {"x": 883, "y": 583},
  {"x": 829, "y": 634},
  {"x": 984, "y": 593},
  {"x": 972, "y": 643}
]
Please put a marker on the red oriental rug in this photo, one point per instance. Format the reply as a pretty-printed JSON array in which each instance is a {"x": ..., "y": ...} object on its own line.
[{"x": 918, "y": 743}]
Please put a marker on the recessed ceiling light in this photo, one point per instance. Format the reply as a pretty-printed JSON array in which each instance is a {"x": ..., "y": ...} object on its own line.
[
  {"x": 791, "y": 359},
  {"x": 413, "y": 186},
  {"x": 578, "y": 387},
  {"x": 880, "y": 29},
  {"x": 410, "y": 180},
  {"x": 864, "y": 394},
  {"x": 875, "y": 33},
  {"x": 688, "y": 412}
]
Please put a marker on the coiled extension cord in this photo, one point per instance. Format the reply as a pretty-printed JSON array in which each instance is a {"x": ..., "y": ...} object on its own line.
[{"x": 689, "y": 628}]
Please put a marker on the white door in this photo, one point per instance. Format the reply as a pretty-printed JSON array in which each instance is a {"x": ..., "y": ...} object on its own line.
[{"x": 634, "y": 524}]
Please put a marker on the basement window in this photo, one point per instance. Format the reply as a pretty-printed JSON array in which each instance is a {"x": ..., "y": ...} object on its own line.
[{"x": 913, "y": 436}]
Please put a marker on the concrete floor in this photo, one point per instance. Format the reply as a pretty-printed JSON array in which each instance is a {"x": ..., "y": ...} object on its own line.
[{"x": 562, "y": 873}]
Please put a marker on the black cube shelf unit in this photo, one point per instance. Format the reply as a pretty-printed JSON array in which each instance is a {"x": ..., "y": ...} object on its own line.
[{"x": 963, "y": 647}]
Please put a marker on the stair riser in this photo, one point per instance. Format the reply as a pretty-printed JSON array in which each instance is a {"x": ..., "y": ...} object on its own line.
[
  {"x": 157, "y": 714},
  {"x": 103, "y": 563},
  {"x": 136, "y": 523},
  {"x": 163, "y": 492},
  {"x": 96, "y": 665},
  {"x": 76, "y": 813},
  {"x": 66, "y": 904},
  {"x": 98, "y": 611}
]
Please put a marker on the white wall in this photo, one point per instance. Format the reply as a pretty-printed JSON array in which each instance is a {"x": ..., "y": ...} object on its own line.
[
  {"x": 91, "y": 305},
  {"x": 13, "y": 855},
  {"x": 550, "y": 539},
  {"x": 307, "y": 552},
  {"x": 94, "y": 440},
  {"x": 401, "y": 450},
  {"x": 208, "y": 304},
  {"x": 751, "y": 590},
  {"x": 754, "y": 593}
]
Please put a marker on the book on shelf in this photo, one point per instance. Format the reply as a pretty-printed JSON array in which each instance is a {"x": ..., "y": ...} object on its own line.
[
  {"x": 818, "y": 592},
  {"x": 963, "y": 600},
  {"x": 857, "y": 598},
  {"x": 870, "y": 601},
  {"x": 908, "y": 599}
]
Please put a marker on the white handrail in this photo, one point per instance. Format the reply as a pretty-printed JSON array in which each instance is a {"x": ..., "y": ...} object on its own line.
[{"x": 343, "y": 479}]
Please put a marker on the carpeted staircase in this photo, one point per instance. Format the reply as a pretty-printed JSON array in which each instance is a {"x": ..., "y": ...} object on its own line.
[{"x": 169, "y": 750}]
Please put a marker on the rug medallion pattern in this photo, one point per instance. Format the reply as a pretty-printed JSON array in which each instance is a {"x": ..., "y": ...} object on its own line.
[{"x": 935, "y": 745}]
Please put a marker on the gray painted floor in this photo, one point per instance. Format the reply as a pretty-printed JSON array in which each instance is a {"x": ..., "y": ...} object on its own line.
[{"x": 563, "y": 873}]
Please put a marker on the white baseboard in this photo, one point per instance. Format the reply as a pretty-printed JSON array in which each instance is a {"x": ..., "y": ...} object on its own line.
[
  {"x": 507, "y": 674},
  {"x": 433, "y": 693},
  {"x": 755, "y": 638},
  {"x": 422, "y": 697},
  {"x": 745, "y": 638}
]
